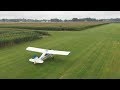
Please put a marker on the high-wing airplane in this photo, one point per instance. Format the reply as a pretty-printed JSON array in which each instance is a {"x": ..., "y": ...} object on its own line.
[{"x": 45, "y": 54}]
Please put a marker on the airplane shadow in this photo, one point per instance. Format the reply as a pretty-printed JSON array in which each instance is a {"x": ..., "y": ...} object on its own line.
[{"x": 54, "y": 60}]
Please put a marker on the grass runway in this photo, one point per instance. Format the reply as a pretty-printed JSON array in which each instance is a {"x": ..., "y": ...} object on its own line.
[{"x": 95, "y": 54}]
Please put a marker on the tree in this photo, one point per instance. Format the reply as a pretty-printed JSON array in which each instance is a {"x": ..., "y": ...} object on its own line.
[{"x": 75, "y": 19}]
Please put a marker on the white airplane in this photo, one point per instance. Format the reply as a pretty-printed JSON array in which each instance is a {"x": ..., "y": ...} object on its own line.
[{"x": 45, "y": 54}]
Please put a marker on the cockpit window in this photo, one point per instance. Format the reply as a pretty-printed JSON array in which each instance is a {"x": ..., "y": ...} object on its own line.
[{"x": 46, "y": 54}]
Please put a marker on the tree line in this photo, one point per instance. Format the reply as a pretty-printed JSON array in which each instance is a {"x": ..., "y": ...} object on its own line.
[{"x": 60, "y": 20}]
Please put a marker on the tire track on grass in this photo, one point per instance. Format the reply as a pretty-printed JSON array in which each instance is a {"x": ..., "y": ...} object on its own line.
[
  {"x": 104, "y": 59},
  {"x": 88, "y": 49},
  {"x": 98, "y": 64},
  {"x": 89, "y": 62}
]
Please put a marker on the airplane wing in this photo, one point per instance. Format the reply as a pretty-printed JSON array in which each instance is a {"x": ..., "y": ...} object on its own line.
[
  {"x": 40, "y": 50},
  {"x": 58, "y": 52}
]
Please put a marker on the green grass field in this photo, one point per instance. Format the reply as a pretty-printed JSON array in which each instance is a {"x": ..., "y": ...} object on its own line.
[{"x": 95, "y": 54}]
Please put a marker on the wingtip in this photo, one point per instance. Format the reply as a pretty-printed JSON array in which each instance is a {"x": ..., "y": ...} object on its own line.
[
  {"x": 68, "y": 53},
  {"x": 27, "y": 48}
]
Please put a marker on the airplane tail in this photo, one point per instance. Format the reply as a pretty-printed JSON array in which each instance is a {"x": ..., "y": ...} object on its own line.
[{"x": 36, "y": 60}]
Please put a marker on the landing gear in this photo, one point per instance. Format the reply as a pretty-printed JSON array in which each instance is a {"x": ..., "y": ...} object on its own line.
[
  {"x": 53, "y": 58},
  {"x": 34, "y": 62}
]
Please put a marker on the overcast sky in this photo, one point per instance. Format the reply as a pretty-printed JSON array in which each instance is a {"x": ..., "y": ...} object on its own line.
[{"x": 59, "y": 14}]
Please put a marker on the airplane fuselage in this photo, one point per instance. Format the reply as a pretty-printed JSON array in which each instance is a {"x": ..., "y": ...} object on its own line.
[
  {"x": 41, "y": 58},
  {"x": 45, "y": 56}
]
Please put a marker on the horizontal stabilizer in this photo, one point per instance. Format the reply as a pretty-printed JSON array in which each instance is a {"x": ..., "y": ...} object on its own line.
[{"x": 36, "y": 60}]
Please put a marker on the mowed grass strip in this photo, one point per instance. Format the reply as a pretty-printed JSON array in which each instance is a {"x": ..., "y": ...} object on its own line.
[{"x": 95, "y": 53}]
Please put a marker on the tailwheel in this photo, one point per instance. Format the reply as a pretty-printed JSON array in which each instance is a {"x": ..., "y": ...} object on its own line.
[
  {"x": 52, "y": 57},
  {"x": 34, "y": 62}
]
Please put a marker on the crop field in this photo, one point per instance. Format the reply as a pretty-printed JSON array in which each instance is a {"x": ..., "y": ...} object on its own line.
[
  {"x": 15, "y": 36},
  {"x": 95, "y": 54},
  {"x": 58, "y": 26}
]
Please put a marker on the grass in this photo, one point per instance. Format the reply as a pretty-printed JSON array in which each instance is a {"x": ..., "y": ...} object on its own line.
[{"x": 95, "y": 53}]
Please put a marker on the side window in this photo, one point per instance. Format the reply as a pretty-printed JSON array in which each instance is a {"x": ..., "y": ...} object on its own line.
[{"x": 46, "y": 54}]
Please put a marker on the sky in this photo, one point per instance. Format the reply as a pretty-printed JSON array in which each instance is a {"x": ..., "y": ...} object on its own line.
[{"x": 58, "y": 14}]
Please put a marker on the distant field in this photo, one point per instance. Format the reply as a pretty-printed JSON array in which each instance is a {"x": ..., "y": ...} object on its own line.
[
  {"x": 66, "y": 26},
  {"x": 95, "y": 54}
]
